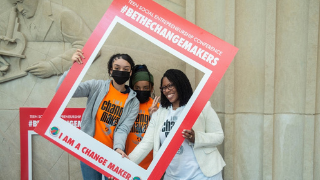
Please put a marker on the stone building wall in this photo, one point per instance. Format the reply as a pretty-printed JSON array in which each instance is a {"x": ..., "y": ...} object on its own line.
[{"x": 267, "y": 101}]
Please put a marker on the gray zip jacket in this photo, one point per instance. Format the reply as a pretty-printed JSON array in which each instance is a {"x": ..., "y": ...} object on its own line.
[{"x": 95, "y": 91}]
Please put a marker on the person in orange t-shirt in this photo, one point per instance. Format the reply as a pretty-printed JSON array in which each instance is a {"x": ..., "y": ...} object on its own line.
[
  {"x": 142, "y": 83},
  {"x": 111, "y": 109}
]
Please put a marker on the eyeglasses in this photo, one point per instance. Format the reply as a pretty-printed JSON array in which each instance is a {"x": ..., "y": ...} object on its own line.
[{"x": 169, "y": 87}]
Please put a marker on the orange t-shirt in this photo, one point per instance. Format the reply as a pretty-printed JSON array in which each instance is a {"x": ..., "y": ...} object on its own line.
[
  {"x": 108, "y": 115},
  {"x": 138, "y": 130}
]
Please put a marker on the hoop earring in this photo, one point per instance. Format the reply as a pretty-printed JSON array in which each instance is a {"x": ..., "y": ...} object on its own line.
[{"x": 153, "y": 94}]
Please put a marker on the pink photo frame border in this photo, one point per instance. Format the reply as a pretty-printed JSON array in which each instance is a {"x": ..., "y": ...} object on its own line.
[
  {"x": 27, "y": 126},
  {"x": 115, "y": 14}
]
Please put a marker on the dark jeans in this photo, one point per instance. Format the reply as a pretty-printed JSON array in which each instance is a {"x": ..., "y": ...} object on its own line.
[{"x": 89, "y": 173}]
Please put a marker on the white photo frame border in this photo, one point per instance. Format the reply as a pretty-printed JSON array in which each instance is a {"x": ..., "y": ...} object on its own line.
[
  {"x": 52, "y": 118},
  {"x": 184, "y": 58}
]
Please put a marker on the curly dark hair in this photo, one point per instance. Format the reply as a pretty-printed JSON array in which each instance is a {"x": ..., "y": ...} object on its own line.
[
  {"x": 118, "y": 56},
  {"x": 182, "y": 84},
  {"x": 138, "y": 68}
]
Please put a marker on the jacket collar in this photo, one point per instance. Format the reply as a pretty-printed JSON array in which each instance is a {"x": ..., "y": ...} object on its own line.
[{"x": 43, "y": 19}]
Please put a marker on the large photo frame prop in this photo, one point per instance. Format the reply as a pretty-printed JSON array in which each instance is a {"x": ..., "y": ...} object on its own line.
[
  {"x": 170, "y": 32},
  {"x": 29, "y": 119}
]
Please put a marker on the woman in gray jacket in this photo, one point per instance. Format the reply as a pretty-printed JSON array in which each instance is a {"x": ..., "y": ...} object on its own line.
[{"x": 111, "y": 109}]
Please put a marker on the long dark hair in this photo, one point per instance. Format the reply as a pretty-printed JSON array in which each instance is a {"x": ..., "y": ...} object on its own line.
[{"x": 182, "y": 84}]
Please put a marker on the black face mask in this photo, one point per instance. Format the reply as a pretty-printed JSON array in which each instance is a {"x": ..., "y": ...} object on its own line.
[
  {"x": 120, "y": 77},
  {"x": 143, "y": 96}
]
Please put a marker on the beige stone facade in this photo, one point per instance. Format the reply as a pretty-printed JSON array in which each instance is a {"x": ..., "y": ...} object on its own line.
[{"x": 268, "y": 101}]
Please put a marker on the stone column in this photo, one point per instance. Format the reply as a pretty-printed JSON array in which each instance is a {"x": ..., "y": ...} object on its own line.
[
  {"x": 229, "y": 94},
  {"x": 250, "y": 29},
  {"x": 316, "y": 165},
  {"x": 269, "y": 89},
  {"x": 290, "y": 88},
  {"x": 310, "y": 122},
  {"x": 210, "y": 16},
  {"x": 230, "y": 38},
  {"x": 191, "y": 16}
]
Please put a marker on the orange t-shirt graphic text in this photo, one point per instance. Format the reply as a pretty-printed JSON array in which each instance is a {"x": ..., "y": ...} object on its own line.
[{"x": 108, "y": 115}]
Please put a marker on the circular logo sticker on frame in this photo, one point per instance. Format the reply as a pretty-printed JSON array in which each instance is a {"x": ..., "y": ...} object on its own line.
[{"x": 54, "y": 131}]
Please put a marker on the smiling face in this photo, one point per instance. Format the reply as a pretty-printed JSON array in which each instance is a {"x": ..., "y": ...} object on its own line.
[
  {"x": 170, "y": 92},
  {"x": 26, "y": 7}
]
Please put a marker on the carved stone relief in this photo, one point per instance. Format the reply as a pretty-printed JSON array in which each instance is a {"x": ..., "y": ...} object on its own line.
[
  {"x": 12, "y": 46},
  {"x": 38, "y": 21}
]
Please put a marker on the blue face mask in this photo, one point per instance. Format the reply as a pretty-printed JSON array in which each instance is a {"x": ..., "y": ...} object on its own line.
[{"x": 120, "y": 77}]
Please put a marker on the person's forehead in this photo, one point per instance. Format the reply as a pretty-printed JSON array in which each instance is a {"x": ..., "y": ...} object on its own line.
[
  {"x": 142, "y": 83},
  {"x": 166, "y": 81},
  {"x": 121, "y": 62}
]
